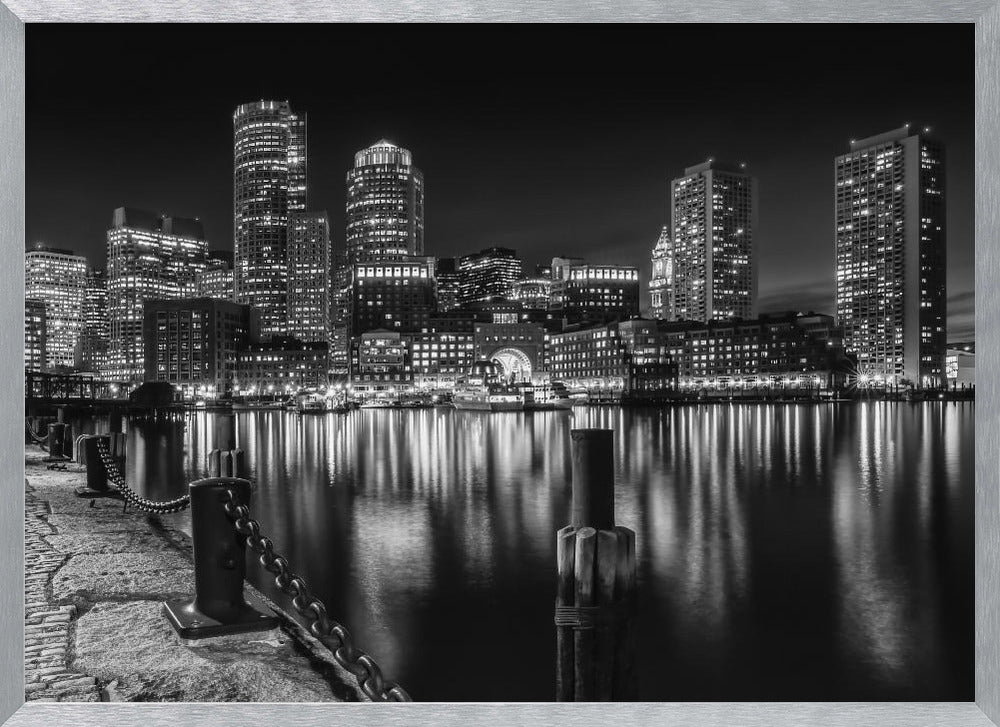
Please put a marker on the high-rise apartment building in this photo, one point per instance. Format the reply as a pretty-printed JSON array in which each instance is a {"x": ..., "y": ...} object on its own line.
[
  {"x": 58, "y": 278},
  {"x": 309, "y": 276},
  {"x": 92, "y": 348},
  {"x": 488, "y": 273},
  {"x": 396, "y": 296},
  {"x": 149, "y": 257},
  {"x": 34, "y": 335},
  {"x": 385, "y": 205},
  {"x": 661, "y": 297},
  {"x": 890, "y": 244},
  {"x": 269, "y": 183},
  {"x": 713, "y": 224}
]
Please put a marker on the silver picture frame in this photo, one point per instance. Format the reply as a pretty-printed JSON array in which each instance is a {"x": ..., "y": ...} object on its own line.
[{"x": 986, "y": 708}]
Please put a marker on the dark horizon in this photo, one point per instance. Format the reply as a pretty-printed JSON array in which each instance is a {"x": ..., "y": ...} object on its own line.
[{"x": 555, "y": 142}]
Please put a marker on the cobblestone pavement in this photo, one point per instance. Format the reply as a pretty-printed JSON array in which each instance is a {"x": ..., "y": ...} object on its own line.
[{"x": 46, "y": 627}]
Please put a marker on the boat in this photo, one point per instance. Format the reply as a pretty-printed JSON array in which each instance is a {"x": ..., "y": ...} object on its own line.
[
  {"x": 546, "y": 396},
  {"x": 310, "y": 403},
  {"x": 483, "y": 389}
]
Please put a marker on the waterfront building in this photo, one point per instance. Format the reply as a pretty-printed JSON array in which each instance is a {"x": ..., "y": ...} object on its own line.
[
  {"x": 960, "y": 366},
  {"x": 269, "y": 183},
  {"x": 34, "y": 335},
  {"x": 534, "y": 293},
  {"x": 385, "y": 205},
  {"x": 58, "y": 278},
  {"x": 380, "y": 365},
  {"x": 559, "y": 272},
  {"x": 488, "y": 273},
  {"x": 613, "y": 360},
  {"x": 149, "y": 257},
  {"x": 216, "y": 280},
  {"x": 194, "y": 343},
  {"x": 713, "y": 226},
  {"x": 441, "y": 354},
  {"x": 516, "y": 345},
  {"x": 282, "y": 366},
  {"x": 890, "y": 247},
  {"x": 396, "y": 296},
  {"x": 584, "y": 292},
  {"x": 309, "y": 260},
  {"x": 661, "y": 297},
  {"x": 449, "y": 283},
  {"x": 788, "y": 350},
  {"x": 92, "y": 348}
]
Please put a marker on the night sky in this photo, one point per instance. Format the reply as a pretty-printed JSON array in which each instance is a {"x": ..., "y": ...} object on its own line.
[{"x": 550, "y": 140}]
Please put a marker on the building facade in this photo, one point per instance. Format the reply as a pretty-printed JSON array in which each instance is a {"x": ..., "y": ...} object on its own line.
[
  {"x": 890, "y": 247},
  {"x": 488, "y": 273},
  {"x": 771, "y": 351},
  {"x": 534, "y": 293},
  {"x": 713, "y": 224},
  {"x": 34, "y": 335},
  {"x": 449, "y": 283},
  {"x": 194, "y": 343},
  {"x": 58, "y": 278},
  {"x": 216, "y": 281},
  {"x": 661, "y": 296},
  {"x": 149, "y": 257},
  {"x": 516, "y": 345},
  {"x": 309, "y": 262},
  {"x": 381, "y": 365},
  {"x": 95, "y": 339},
  {"x": 596, "y": 292},
  {"x": 269, "y": 183},
  {"x": 395, "y": 296},
  {"x": 282, "y": 366},
  {"x": 440, "y": 355}
]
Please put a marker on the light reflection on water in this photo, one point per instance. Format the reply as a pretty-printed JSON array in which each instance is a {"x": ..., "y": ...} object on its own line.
[{"x": 785, "y": 552}]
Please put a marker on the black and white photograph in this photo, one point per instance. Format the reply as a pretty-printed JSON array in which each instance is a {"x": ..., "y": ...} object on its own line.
[{"x": 499, "y": 363}]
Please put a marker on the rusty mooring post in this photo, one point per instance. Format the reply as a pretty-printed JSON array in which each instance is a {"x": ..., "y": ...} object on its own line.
[
  {"x": 219, "y": 606},
  {"x": 595, "y": 591}
]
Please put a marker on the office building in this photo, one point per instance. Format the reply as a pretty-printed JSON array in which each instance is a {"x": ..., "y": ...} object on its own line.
[
  {"x": 449, "y": 283},
  {"x": 488, "y": 273},
  {"x": 890, "y": 246},
  {"x": 58, "y": 278},
  {"x": 533, "y": 293},
  {"x": 585, "y": 292},
  {"x": 385, "y": 205},
  {"x": 661, "y": 297},
  {"x": 309, "y": 260},
  {"x": 149, "y": 257},
  {"x": 269, "y": 183},
  {"x": 216, "y": 281},
  {"x": 395, "y": 296},
  {"x": 34, "y": 335},
  {"x": 282, "y": 366},
  {"x": 194, "y": 343},
  {"x": 92, "y": 347},
  {"x": 380, "y": 365},
  {"x": 713, "y": 225}
]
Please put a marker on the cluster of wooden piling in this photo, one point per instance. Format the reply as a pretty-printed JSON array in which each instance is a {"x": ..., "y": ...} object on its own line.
[
  {"x": 226, "y": 460},
  {"x": 596, "y": 583}
]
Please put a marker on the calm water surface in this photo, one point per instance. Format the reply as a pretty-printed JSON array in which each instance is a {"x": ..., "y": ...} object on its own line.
[{"x": 785, "y": 552}]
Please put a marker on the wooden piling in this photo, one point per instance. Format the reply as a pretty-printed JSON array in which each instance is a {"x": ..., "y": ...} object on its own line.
[
  {"x": 583, "y": 638},
  {"x": 225, "y": 431},
  {"x": 565, "y": 597},
  {"x": 593, "y": 478},
  {"x": 605, "y": 630},
  {"x": 625, "y": 685}
]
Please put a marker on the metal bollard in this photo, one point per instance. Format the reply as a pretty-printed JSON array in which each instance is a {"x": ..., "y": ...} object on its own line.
[
  {"x": 56, "y": 434},
  {"x": 97, "y": 473},
  {"x": 220, "y": 606}
]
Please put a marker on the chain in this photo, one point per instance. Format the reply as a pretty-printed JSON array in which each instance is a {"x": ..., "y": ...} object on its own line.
[
  {"x": 41, "y": 440},
  {"x": 131, "y": 496},
  {"x": 334, "y": 635}
]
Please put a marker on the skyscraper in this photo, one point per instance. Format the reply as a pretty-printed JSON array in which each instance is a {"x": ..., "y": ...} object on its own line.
[
  {"x": 385, "y": 205},
  {"x": 309, "y": 276},
  {"x": 34, "y": 335},
  {"x": 488, "y": 273},
  {"x": 661, "y": 296},
  {"x": 149, "y": 257},
  {"x": 890, "y": 245},
  {"x": 269, "y": 182},
  {"x": 58, "y": 278},
  {"x": 713, "y": 223},
  {"x": 92, "y": 349},
  {"x": 449, "y": 283}
]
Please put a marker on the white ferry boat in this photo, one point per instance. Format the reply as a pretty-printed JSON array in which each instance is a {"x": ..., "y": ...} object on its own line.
[{"x": 483, "y": 389}]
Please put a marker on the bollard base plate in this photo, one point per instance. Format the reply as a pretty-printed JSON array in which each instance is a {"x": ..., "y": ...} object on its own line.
[{"x": 191, "y": 624}]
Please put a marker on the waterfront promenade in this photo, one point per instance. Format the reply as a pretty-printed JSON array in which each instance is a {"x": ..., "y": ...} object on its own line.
[{"x": 95, "y": 578}]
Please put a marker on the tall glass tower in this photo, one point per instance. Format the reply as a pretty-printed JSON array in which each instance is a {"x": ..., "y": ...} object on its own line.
[
  {"x": 890, "y": 246},
  {"x": 385, "y": 205},
  {"x": 713, "y": 218},
  {"x": 269, "y": 182}
]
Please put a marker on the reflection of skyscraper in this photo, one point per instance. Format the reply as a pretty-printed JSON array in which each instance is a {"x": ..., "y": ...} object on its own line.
[
  {"x": 660, "y": 284},
  {"x": 309, "y": 276},
  {"x": 385, "y": 205},
  {"x": 714, "y": 219},
  {"x": 890, "y": 239},
  {"x": 269, "y": 182},
  {"x": 58, "y": 278}
]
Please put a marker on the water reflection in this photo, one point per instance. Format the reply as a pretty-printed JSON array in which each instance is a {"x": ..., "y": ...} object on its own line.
[{"x": 785, "y": 552}]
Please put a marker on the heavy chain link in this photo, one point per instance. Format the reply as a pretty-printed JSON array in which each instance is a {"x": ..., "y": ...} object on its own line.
[
  {"x": 334, "y": 635},
  {"x": 40, "y": 440},
  {"x": 132, "y": 497}
]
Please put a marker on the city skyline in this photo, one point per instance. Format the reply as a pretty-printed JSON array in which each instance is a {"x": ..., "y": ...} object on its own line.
[{"x": 564, "y": 203}]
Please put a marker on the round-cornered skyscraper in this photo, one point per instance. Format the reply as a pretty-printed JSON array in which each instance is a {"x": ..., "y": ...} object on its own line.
[
  {"x": 269, "y": 182},
  {"x": 385, "y": 205}
]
